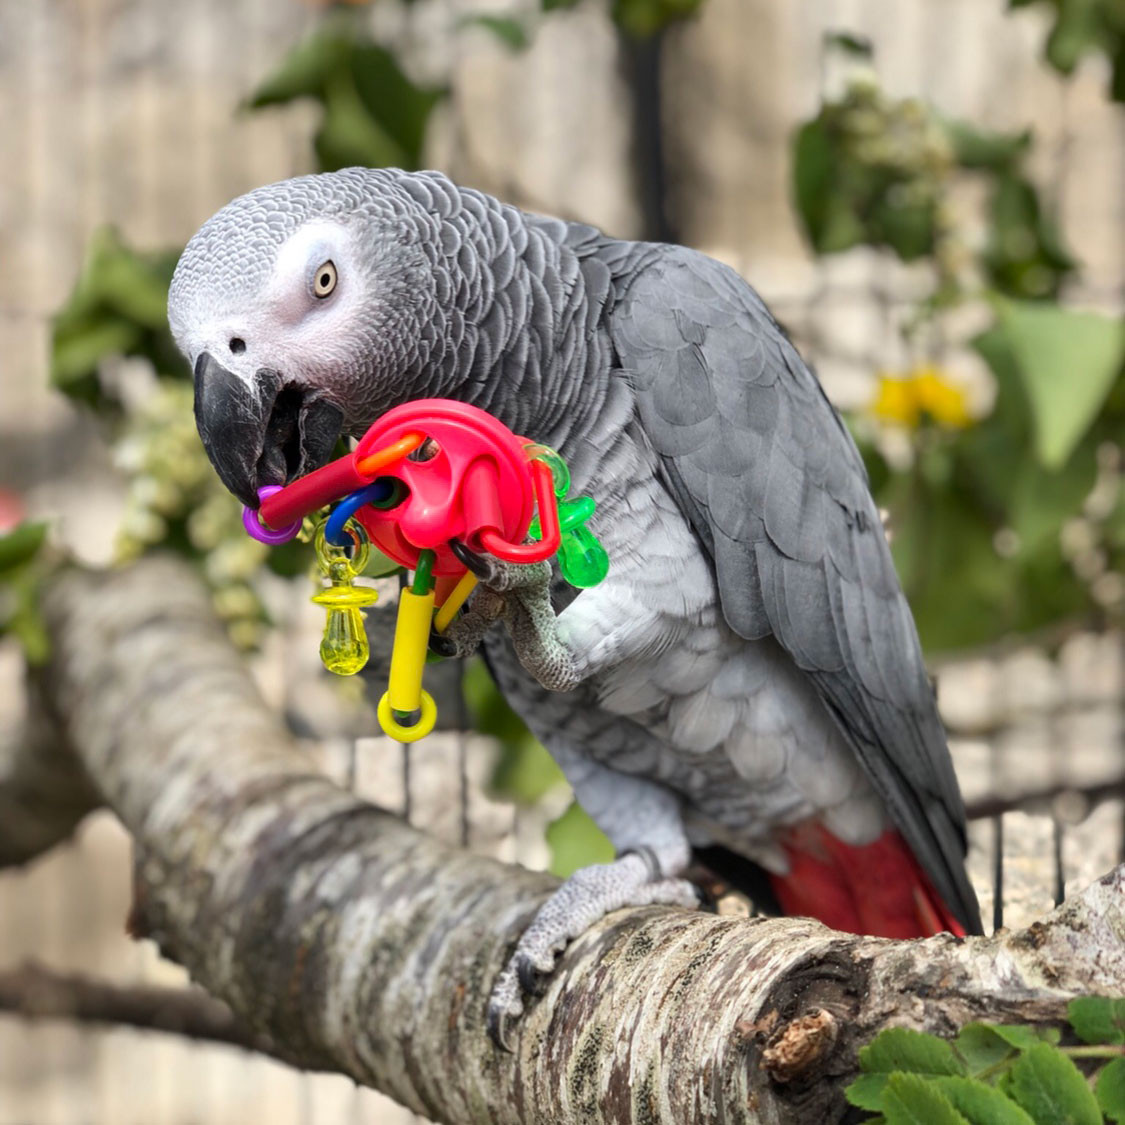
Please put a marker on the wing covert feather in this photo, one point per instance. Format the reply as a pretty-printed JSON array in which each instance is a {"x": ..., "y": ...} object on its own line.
[{"x": 772, "y": 483}]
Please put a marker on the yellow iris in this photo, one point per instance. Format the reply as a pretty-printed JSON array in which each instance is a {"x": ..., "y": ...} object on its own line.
[{"x": 922, "y": 392}]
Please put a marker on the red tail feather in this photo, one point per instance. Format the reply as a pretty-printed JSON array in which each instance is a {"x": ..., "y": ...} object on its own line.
[{"x": 876, "y": 889}]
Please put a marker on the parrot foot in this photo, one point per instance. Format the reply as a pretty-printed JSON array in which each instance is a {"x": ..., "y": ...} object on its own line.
[
  {"x": 520, "y": 594},
  {"x": 499, "y": 575},
  {"x": 633, "y": 879}
]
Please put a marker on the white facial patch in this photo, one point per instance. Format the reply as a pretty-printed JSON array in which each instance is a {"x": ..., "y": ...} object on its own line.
[{"x": 289, "y": 294}]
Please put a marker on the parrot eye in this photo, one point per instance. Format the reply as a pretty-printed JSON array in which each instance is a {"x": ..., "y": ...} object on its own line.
[{"x": 325, "y": 280}]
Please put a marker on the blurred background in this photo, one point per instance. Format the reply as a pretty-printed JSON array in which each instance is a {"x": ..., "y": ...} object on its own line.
[{"x": 930, "y": 194}]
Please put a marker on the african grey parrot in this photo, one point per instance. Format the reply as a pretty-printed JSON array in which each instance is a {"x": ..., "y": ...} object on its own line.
[{"x": 747, "y": 681}]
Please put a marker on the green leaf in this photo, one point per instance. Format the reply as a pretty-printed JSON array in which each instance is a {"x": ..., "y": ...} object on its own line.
[
  {"x": 866, "y": 1091},
  {"x": 961, "y": 591},
  {"x": 21, "y": 544},
  {"x": 1023, "y": 1038},
  {"x": 374, "y": 115},
  {"x": 1076, "y": 32},
  {"x": 77, "y": 349},
  {"x": 524, "y": 771},
  {"x": 1069, "y": 362},
  {"x": 1097, "y": 1019},
  {"x": 1025, "y": 255},
  {"x": 857, "y": 46},
  {"x": 910, "y": 1099},
  {"x": 829, "y": 221},
  {"x": 1110, "y": 1091},
  {"x": 981, "y": 1048},
  {"x": 642, "y": 18},
  {"x": 576, "y": 841},
  {"x": 304, "y": 71},
  {"x": 400, "y": 108},
  {"x": 117, "y": 307},
  {"x": 900, "y": 1048},
  {"x": 908, "y": 228},
  {"x": 1052, "y": 1089},
  {"x": 981, "y": 149},
  {"x": 1041, "y": 501},
  {"x": 981, "y": 1104},
  {"x": 510, "y": 31},
  {"x": 349, "y": 136}
]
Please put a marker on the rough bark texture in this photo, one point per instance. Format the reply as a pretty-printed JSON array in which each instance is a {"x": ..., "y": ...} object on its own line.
[
  {"x": 44, "y": 792},
  {"x": 357, "y": 944},
  {"x": 38, "y": 993}
]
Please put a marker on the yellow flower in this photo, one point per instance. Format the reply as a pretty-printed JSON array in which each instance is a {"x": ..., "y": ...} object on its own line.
[
  {"x": 895, "y": 402},
  {"x": 942, "y": 400},
  {"x": 903, "y": 400}
]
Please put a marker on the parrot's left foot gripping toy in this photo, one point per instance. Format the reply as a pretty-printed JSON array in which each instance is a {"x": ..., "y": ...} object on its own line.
[{"x": 429, "y": 481}]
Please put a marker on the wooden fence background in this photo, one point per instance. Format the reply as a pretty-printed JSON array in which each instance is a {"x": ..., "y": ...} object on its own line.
[{"x": 122, "y": 111}]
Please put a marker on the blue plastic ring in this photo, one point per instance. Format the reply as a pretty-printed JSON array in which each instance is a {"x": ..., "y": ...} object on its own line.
[{"x": 334, "y": 532}]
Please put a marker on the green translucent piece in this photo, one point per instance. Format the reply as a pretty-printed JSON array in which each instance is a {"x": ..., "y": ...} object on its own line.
[
  {"x": 554, "y": 462},
  {"x": 576, "y": 511},
  {"x": 571, "y": 513},
  {"x": 582, "y": 559}
]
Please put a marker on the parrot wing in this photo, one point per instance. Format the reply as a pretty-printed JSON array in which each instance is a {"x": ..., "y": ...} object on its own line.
[{"x": 773, "y": 484}]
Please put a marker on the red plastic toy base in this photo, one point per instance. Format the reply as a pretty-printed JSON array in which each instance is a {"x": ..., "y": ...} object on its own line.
[{"x": 477, "y": 478}]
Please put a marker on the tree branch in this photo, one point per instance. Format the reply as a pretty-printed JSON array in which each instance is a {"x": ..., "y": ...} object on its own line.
[
  {"x": 38, "y": 993},
  {"x": 44, "y": 792},
  {"x": 359, "y": 945}
]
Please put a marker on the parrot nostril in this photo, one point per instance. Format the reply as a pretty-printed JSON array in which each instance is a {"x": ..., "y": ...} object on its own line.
[{"x": 237, "y": 345}]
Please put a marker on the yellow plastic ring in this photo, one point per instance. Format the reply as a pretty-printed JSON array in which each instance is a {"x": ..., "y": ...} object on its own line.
[{"x": 396, "y": 730}]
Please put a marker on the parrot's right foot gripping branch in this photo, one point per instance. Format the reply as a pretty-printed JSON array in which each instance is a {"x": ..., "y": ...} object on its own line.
[{"x": 447, "y": 491}]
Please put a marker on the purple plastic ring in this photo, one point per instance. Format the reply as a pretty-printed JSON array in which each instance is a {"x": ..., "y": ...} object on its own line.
[{"x": 258, "y": 530}]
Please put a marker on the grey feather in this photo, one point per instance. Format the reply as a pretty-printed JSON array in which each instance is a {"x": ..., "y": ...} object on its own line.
[
  {"x": 774, "y": 485},
  {"x": 752, "y": 594}
]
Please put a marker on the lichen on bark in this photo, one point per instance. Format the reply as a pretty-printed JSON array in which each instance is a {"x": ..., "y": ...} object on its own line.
[{"x": 357, "y": 944}]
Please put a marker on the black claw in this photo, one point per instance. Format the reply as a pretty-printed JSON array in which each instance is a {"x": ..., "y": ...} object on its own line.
[
  {"x": 481, "y": 566},
  {"x": 497, "y": 1023},
  {"x": 441, "y": 646},
  {"x": 532, "y": 981}
]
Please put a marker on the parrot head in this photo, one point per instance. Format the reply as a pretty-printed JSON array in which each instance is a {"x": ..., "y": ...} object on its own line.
[{"x": 305, "y": 308}]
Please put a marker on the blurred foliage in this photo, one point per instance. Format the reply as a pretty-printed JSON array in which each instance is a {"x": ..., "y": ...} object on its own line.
[
  {"x": 638, "y": 18},
  {"x": 1085, "y": 27},
  {"x": 872, "y": 170},
  {"x": 119, "y": 307},
  {"x": 524, "y": 771},
  {"x": 111, "y": 350},
  {"x": 21, "y": 550},
  {"x": 372, "y": 113},
  {"x": 1005, "y": 519},
  {"x": 576, "y": 841},
  {"x": 999, "y": 1074}
]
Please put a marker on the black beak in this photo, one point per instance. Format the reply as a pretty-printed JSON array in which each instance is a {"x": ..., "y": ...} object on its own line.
[{"x": 268, "y": 433}]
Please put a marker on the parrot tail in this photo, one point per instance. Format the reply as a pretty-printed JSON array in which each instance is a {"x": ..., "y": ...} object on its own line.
[{"x": 877, "y": 888}]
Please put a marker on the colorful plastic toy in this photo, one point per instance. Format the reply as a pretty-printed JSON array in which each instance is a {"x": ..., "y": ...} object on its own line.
[
  {"x": 344, "y": 648},
  {"x": 427, "y": 475}
]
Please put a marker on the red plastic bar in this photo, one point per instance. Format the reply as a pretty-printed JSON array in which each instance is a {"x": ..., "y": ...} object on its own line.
[
  {"x": 492, "y": 542},
  {"x": 308, "y": 493}
]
